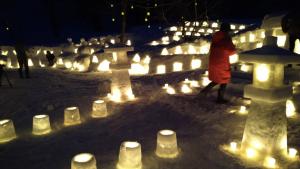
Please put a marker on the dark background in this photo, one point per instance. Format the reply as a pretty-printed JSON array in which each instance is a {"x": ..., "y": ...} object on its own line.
[{"x": 43, "y": 21}]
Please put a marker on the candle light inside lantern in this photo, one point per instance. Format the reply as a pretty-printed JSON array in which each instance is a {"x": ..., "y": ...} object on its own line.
[
  {"x": 171, "y": 90},
  {"x": 84, "y": 161},
  {"x": 251, "y": 153},
  {"x": 7, "y": 131},
  {"x": 130, "y": 156},
  {"x": 243, "y": 110},
  {"x": 41, "y": 125},
  {"x": 177, "y": 66},
  {"x": 290, "y": 108},
  {"x": 99, "y": 109},
  {"x": 161, "y": 69},
  {"x": 166, "y": 146},
  {"x": 71, "y": 116},
  {"x": 292, "y": 153},
  {"x": 195, "y": 64},
  {"x": 233, "y": 146},
  {"x": 270, "y": 162},
  {"x": 185, "y": 89},
  {"x": 165, "y": 51}
]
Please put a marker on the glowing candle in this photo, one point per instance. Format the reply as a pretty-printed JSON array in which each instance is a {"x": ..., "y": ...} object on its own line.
[
  {"x": 243, "y": 110},
  {"x": 161, "y": 69},
  {"x": 130, "y": 156},
  {"x": 251, "y": 153},
  {"x": 41, "y": 125},
  {"x": 270, "y": 162},
  {"x": 95, "y": 59},
  {"x": 84, "y": 161},
  {"x": 71, "y": 116},
  {"x": 196, "y": 64},
  {"x": 290, "y": 108},
  {"x": 166, "y": 146},
  {"x": 104, "y": 66},
  {"x": 171, "y": 90},
  {"x": 165, "y": 51},
  {"x": 186, "y": 89},
  {"x": 292, "y": 153},
  {"x": 178, "y": 50},
  {"x": 233, "y": 146},
  {"x": 7, "y": 131},
  {"x": 177, "y": 66}
]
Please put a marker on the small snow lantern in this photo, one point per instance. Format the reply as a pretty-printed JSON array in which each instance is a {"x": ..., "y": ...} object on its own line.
[
  {"x": 177, "y": 66},
  {"x": 130, "y": 156},
  {"x": 41, "y": 125},
  {"x": 72, "y": 116},
  {"x": 166, "y": 146},
  {"x": 7, "y": 131},
  {"x": 161, "y": 69},
  {"x": 84, "y": 161},
  {"x": 99, "y": 109}
]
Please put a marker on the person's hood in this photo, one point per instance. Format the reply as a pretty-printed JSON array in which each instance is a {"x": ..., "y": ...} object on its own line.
[{"x": 218, "y": 36}]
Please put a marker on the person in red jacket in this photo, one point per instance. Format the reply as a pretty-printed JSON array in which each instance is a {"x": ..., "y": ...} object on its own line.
[{"x": 219, "y": 67}]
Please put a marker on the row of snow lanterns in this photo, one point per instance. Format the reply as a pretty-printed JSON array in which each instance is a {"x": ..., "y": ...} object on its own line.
[
  {"x": 41, "y": 123},
  {"x": 130, "y": 155},
  {"x": 178, "y": 66},
  {"x": 204, "y": 49}
]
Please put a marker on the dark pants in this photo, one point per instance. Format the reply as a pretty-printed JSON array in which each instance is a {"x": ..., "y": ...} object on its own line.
[
  {"x": 221, "y": 90},
  {"x": 292, "y": 40},
  {"x": 23, "y": 63}
]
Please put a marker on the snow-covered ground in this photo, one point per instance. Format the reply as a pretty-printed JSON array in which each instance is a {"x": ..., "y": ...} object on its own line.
[{"x": 201, "y": 125}]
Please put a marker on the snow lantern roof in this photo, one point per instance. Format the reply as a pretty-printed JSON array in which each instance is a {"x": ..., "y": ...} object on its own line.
[
  {"x": 118, "y": 48},
  {"x": 269, "y": 53}
]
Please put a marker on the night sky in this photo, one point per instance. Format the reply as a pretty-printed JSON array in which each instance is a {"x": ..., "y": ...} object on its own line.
[{"x": 61, "y": 18}]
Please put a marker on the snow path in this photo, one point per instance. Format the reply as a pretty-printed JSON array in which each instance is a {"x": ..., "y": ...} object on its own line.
[{"x": 201, "y": 126}]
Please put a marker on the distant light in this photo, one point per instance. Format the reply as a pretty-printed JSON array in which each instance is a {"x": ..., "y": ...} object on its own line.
[
  {"x": 148, "y": 13},
  {"x": 111, "y": 5},
  {"x": 132, "y": 7},
  {"x": 149, "y": 26},
  {"x": 113, "y": 19},
  {"x": 146, "y": 19},
  {"x": 7, "y": 28},
  {"x": 122, "y": 13}
]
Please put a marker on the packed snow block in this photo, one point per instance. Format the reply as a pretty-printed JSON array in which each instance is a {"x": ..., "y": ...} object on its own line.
[
  {"x": 7, "y": 131},
  {"x": 273, "y": 95},
  {"x": 272, "y": 21},
  {"x": 266, "y": 130}
]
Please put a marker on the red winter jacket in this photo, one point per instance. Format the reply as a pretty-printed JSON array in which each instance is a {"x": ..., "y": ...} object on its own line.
[{"x": 220, "y": 50}]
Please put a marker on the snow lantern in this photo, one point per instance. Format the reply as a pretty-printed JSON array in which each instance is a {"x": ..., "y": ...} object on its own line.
[
  {"x": 161, "y": 69},
  {"x": 84, "y": 161},
  {"x": 130, "y": 156},
  {"x": 165, "y": 52},
  {"x": 72, "y": 116},
  {"x": 7, "y": 131},
  {"x": 41, "y": 125},
  {"x": 265, "y": 131},
  {"x": 99, "y": 109},
  {"x": 195, "y": 63},
  {"x": 166, "y": 146},
  {"x": 177, "y": 66},
  {"x": 120, "y": 82}
]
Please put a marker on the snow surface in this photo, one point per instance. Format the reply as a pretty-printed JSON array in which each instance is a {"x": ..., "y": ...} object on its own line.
[{"x": 201, "y": 125}]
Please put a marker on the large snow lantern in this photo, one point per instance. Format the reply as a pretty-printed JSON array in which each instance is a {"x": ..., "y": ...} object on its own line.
[
  {"x": 120, "y": 81},
  {"x": 265, "y": 133},
  {"x": 7, "y": 131},
  {"x": 84, "y": 161},
  {"x": 72, "y": 116},
  {"x": 41, "y": 125},
  {"x": 166, "y": 146},
  {"x": 130, "y": 156},
  {"x": 99, "y": 109}
]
